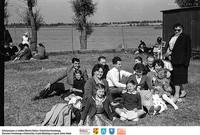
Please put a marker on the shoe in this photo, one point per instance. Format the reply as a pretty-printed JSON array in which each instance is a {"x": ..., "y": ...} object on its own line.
[
  {"x": 36, "y": 98},
  {"x": 136, "y": 119},
  {"x": 151, "y": 110},
  {"x": 183, "y": 94},
  {"x": 122, "y": 118},
  {"x": 157, "y": 110}
]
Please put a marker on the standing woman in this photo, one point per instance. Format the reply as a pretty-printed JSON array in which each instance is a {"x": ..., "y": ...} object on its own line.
[{"x": 179, "y": 51}]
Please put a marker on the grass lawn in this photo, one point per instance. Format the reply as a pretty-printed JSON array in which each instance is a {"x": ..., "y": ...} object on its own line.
[{"x": 23, "y": 80}]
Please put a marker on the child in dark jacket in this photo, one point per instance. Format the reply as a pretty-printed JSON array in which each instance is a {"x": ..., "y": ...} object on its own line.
[
  {"x": 79, "y": 83},
  {"x": 97, "y": 111},
  {"x": 131, "y": 106}
]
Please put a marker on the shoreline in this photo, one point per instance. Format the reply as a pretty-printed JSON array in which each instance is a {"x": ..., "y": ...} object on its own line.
[{"x": 91, "y": 51}]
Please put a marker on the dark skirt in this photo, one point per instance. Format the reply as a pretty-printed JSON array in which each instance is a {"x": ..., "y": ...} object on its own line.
[{"x": 179, "y": 75}]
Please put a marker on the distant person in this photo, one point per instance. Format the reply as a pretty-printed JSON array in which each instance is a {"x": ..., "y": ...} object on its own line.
[
  {"x": 13, "y": 51},
  {"x": 157, "y": 48},
  {"x": 141, "y": 48},
  {"x": 26, "y": 38},
  {"x": 24, "y": 53},
  {"x": 40, "y": 53},
  {"x": 114, "y": 78},
  {"x": 179, "y": 52},
  {"x": 102, "y": 60}
]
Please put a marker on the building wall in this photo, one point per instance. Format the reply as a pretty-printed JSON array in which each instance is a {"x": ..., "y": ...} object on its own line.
[{"x": 189, "y": 18}]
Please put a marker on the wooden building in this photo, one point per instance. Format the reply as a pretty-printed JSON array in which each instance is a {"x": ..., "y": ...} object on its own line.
[{"x": 189, "y": 18}]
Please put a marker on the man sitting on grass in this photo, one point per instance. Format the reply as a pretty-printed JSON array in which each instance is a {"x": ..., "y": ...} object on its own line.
[
  {"x": 70, "y": 74},
  {"x": 114, "y": 78}
]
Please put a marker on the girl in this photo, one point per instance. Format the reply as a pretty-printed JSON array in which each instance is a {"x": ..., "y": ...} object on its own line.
[
  {"x": 97, "y": 111},
  {"x": 162, "y": 87},
  {"x": 131, "y": 106}
]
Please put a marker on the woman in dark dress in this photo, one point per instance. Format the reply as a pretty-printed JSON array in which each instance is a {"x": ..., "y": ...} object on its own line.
[{"x": 179, "y": 51}]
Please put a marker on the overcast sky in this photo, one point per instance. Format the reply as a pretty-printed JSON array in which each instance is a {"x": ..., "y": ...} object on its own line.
[{"x": 55, "y": 11}]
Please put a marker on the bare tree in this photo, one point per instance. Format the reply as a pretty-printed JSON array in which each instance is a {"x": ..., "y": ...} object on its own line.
[
  {"x": 6, "y": 14},
  {"x": 30, "y": 5},
  {"x": 187, "y": 3},
  {"x": 82, "y": 10}
]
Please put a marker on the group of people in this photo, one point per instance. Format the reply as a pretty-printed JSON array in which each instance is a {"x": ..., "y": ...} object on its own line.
[
  {"x": 156, "y": 50},
  {"x": 23, "y": 51},
  {"x": 115, "y": 93}
]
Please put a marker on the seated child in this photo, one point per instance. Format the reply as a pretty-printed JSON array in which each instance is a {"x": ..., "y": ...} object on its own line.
[
  {"x": 161, "y": 83},
  {"x": 131, "y": 106},
  {"x": 79, "y": 83},
  {"x": 97, "y": 111}
]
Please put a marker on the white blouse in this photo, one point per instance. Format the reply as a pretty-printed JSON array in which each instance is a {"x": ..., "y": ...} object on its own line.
[{"x": 172, "y": 42}]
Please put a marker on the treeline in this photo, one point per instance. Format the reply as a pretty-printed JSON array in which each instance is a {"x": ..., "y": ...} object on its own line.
[{"x": 129, "y": 23}]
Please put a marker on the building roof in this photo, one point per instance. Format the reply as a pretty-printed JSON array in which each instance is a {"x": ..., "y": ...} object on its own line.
[{"x": 181, "y": 9}]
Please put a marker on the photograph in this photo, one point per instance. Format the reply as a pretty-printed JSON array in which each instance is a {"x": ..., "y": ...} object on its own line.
[{"x": 83, "y": 63}]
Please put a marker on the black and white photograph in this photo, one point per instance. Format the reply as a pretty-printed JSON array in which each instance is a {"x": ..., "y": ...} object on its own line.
[{"x": 100, "y": 63}]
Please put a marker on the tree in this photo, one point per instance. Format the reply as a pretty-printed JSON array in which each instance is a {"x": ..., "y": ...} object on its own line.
[
  {"x": 38, "y": 18},
  {"x": 32, "y": 22},
  {"x": 187, "y": 3},
  {"x": 6, "y": 15},
  {"x": 82, "y": 10}
]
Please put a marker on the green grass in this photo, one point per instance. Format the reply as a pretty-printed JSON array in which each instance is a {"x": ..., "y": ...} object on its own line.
[{"x": 23, "y": 80}]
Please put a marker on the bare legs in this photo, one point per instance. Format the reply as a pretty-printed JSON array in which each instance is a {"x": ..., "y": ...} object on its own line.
[
  {"x": 123, "y": 113},
  {"x": 170, "y": 101}
]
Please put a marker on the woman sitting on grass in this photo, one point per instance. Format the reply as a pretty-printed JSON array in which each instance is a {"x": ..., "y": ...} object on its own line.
[
  {"x": 161, "y": 82},
  {"x": 131, "y": 106},
  {"x": 97, "y": 110}
]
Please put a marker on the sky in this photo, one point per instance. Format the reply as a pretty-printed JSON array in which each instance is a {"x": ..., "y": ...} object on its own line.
[{"x": 55, "y": 11}]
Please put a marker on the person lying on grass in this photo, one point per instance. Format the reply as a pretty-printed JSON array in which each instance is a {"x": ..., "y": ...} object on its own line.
[
  {"x": 69, "y": 74},
  {"x": 161, "y": 82},
  {"x": 131, "y": 106},
  {"x": 97, "y": 111}
]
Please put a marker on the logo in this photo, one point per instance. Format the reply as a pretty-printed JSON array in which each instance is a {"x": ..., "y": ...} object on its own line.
[
  {"x": 95, "y": 131},
  {"x": 111, "y": 131},
  {"x": 84, "y": 131},
  {"x": 103, "y": 131},
  {"x": 121, "y": 131}
]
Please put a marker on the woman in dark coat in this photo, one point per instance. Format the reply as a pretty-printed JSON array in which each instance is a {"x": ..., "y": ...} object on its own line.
[{"x": 179, "y": 51}]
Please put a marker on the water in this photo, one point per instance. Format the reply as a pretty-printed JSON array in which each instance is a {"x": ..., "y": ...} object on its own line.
[{"x": 60, "y": 39}]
